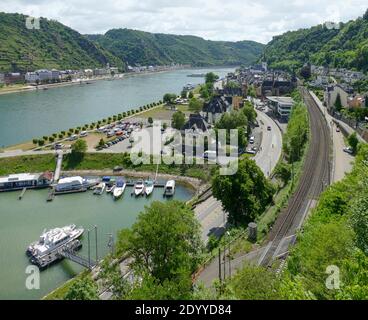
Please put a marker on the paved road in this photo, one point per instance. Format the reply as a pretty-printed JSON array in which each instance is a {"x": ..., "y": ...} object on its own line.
[
  {"x": 270, "y": 153},
  {"x": 342, "y": 161}
]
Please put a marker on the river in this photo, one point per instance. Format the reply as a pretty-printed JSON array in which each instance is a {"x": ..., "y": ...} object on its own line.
[{"x": 33, "y": 114}]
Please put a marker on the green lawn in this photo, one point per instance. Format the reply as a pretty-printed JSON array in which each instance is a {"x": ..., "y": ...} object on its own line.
[{"x": 96, "y": 161}]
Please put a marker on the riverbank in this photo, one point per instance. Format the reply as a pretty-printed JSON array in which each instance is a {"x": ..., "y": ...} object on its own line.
[
  {"x": 104, "y": 162},
  {"x": 26, "y": 88}
]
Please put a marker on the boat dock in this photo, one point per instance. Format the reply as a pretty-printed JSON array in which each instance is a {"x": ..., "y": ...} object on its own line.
[
  {"x": 71, "y": 255},
  {"x": 59, "y": 162}
]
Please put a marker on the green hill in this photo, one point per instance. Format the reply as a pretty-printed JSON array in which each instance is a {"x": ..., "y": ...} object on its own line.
[
  {"x": 138, "y": 47},
  {"x": 344, "y": 47},
  {"x": 52, "y": 46}
]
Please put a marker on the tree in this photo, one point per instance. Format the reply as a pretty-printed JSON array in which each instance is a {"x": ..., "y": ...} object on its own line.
[
  {"x": 195, "y": 105},
  {"x": 254, "y": 283},
  {"x": 353, "y": 142},
  {"x": 338, "y": 104},
  {"x": 297, "y": 133},
  {"x": 184, "y": 94},
  {"x": 211, "y": 77},
  {"x": 178, "y": 120},
  {"x": 245, "y": 194},
  {"x": 79, "y": 147},
  {"x": 359, "y": 220},
  {"x": 169, "y": 98},
  {"x": 283, "y": 172},
  {"x": 101, "y": 143},
  {"x": 165, "y": 244},
  {"x": 150, "y": 121},
  {"x": 249, "y": 112},
  {"x": 82, "y": 289},
  {"x": 191, "y": 95}
]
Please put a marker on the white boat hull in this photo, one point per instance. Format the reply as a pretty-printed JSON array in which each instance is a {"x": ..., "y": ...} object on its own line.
[{"x": 118, "y": 192}]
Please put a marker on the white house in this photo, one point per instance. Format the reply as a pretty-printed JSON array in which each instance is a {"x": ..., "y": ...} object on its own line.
[{"x": 31, "y": 77}]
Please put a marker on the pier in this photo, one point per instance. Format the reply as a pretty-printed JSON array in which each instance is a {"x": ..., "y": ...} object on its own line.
[
  {"x": 59, "y": 162},
  {"x": 84, "y": 262}
]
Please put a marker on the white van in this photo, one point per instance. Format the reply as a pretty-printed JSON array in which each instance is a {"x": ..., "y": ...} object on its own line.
[
  {"x": 210, "y": 155},
  {"x": 251, "y": 140}
]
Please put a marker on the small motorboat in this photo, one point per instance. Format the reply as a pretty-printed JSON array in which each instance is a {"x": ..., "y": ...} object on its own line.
[
  {"x": 169, "y": 188},
  {"x": 119, "y": 188},
  {"x": 148, "y": 187},
  {"x": 110, "y": 187},
  {"x": 99, "y": 189},
  {"x": 139, "y": 188}
]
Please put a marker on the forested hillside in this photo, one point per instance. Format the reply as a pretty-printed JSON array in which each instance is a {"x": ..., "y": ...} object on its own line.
[
  {"x": 346, "y": 46},
  {"x": 52, "y": 46},
  {"x": 138, "y": 47}
]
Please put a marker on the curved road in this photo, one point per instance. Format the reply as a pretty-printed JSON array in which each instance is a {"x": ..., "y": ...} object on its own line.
[{"x": 209, "y": 212}]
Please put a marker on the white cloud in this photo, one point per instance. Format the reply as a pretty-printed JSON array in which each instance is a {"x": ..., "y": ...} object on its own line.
[{"x": 257, "y": 20}]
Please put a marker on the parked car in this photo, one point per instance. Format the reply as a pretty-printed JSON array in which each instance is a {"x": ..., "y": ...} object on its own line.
[
  {"x": 269, "y": 128},
  {"x": 337, "y": 129},
  {"x": 73, "y": 137},
  {"x": 250, "y": 151},
  {"x": 83, "y": 134},
  {"x": 251, "y": 140},
  {"x": 110, "y": 134},
  {"x": 58, "y": 146},
  {"x": 348, "y": 150}
]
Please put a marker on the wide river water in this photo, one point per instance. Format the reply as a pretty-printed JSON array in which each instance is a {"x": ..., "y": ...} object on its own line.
[{"x": 33, "y": 114}]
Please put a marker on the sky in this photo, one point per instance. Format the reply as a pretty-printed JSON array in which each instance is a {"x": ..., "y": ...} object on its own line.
[{"x": 230, "y": 20}]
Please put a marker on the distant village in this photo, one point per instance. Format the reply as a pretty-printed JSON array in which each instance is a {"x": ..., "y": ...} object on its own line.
[
  {"x": 45, "y": 76},
  {"x": 272, "y": 88}
]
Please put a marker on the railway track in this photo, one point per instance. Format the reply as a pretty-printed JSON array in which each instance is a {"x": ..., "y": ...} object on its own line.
[{"x": 315, "y": 177}]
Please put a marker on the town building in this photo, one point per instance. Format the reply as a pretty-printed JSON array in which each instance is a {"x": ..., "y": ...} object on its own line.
[
  {"x": 331, "y": 94},
  {"x": 13, "y": 77},
  {"x": 196, "y": 124},
  {"x": 281, "y": 106},
  {"x": 215, "y": 108}
]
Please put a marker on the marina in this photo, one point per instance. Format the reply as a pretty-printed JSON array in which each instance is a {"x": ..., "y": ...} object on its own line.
[{"x": 24, "y": 221}]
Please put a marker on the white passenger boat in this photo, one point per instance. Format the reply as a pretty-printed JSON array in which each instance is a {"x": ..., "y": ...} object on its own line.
[
  {"x": 148, "y": 187},
  {"x": 138, "y": 187},
  {"x": 47, "y": 249},
  {"x": 100, "y": 188},
  {"x": 119, "y": 188},
  {"x": 169, "y": 189}
]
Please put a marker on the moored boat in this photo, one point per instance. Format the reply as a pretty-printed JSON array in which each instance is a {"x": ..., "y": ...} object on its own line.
[
  {"x": 100, "y": 188},
  {"x": 110, "y": 187},
  {"x": 169, "y": 189},
  {"x": 119, "y": 188},
  {"x": 47, "y": 249},
  {"x": 148, "y": 187},
  {"x": 139, "y": 187}
]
